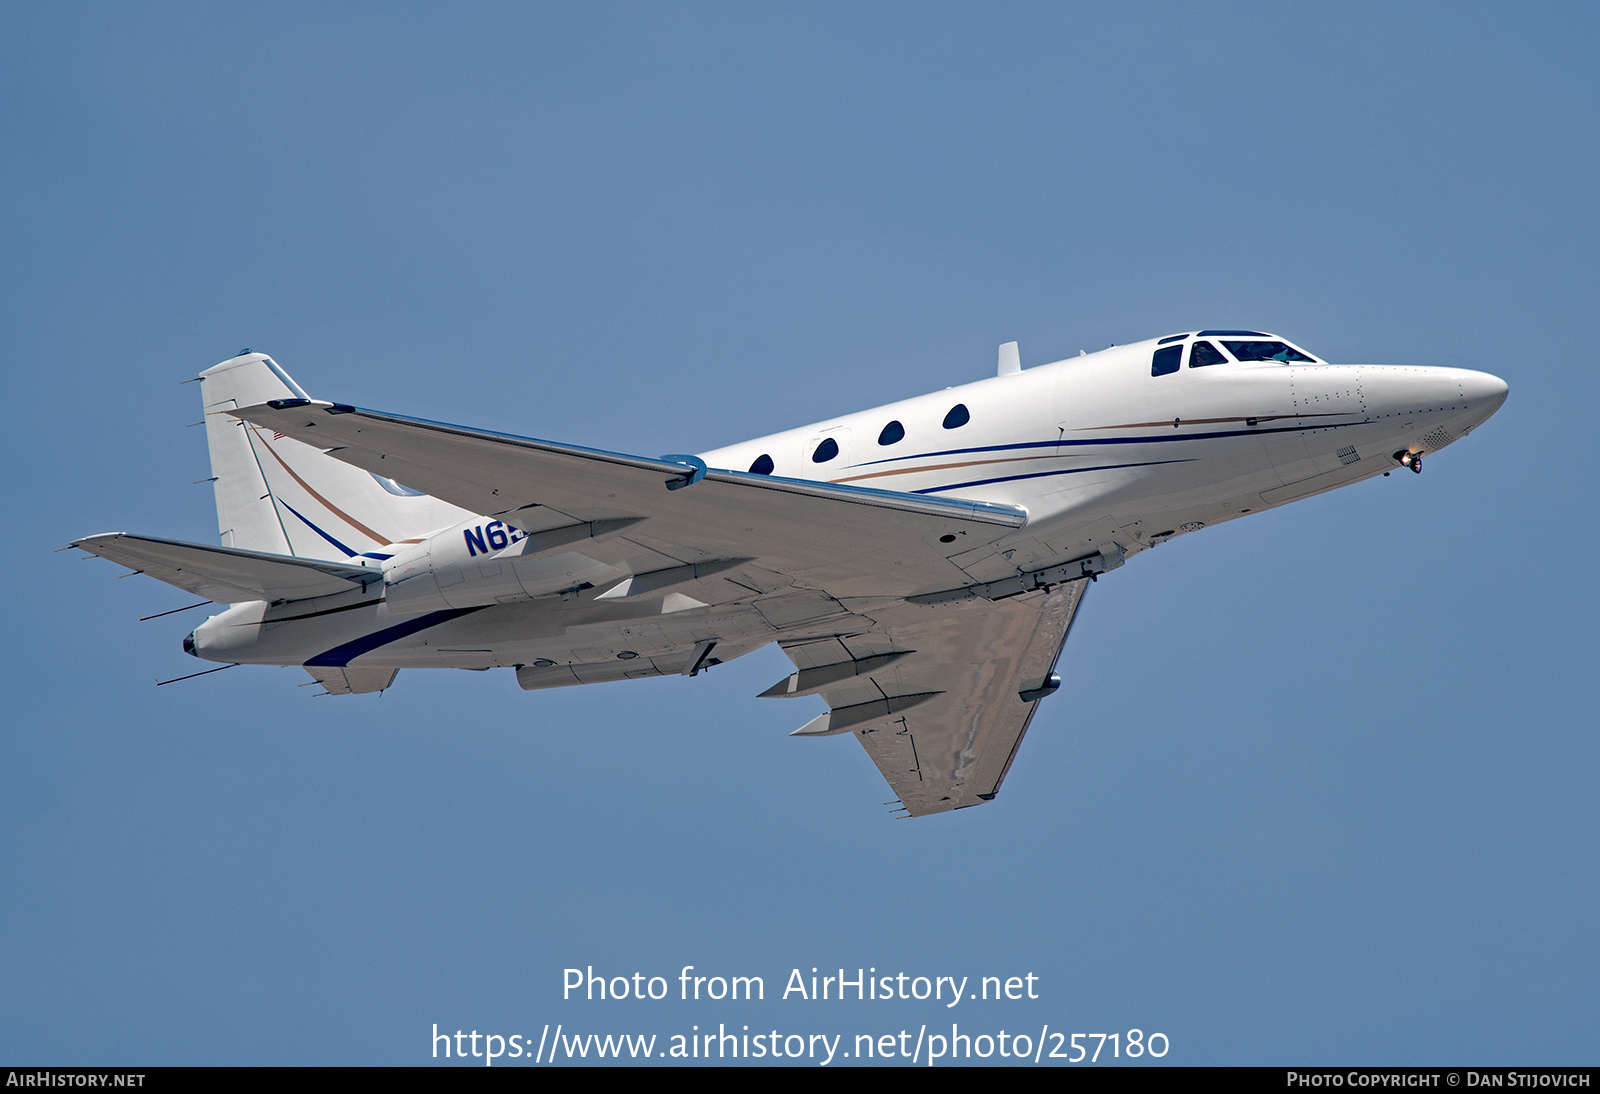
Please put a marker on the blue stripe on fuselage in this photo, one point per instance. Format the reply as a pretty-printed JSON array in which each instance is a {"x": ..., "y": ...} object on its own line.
[
  {"x": 348, "y": 553},
  {"x": 342, "y": 655},
  {"x": 1255, "y": 431},
  {"x": 1045, "y": 474}
]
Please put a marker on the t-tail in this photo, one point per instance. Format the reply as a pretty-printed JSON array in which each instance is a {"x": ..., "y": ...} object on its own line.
[{"x": 281, "y": 496}]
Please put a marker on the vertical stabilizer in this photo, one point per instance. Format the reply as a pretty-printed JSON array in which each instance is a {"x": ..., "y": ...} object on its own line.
[
  {"x": 279, "y": 495},
  {"x": 246, "y": 516}
]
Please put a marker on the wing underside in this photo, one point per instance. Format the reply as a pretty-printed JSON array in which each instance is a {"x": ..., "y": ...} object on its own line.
[
  {"x": 351, "y": 681},
  {"x": 848, "y": 541},
  {"x": 938, "y": 689},
  {"x": 939, "y": 696}
]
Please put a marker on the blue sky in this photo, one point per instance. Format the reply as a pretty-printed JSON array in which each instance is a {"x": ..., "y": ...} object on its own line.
[{"x": 1319, "y": 785}]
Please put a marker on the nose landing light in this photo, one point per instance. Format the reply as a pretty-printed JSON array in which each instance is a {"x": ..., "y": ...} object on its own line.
[{"x": 1412, "y": 460}]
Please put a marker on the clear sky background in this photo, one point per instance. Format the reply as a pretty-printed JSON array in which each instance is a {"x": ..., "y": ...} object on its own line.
[{"x": 1320, "y": 785}]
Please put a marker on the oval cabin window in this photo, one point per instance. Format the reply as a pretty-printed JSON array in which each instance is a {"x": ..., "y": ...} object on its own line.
[
  {"x": 826, "y": 451},
  {"x": 892, "y": 433},
  {"x": 957, "y": 417},
  {"x": 762, "y": 466}
]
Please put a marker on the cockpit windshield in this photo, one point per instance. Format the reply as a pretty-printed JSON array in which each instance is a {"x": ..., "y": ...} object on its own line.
[
  {"x": 1266, "y": 351},
  {"x": 1202, "y": 350}
]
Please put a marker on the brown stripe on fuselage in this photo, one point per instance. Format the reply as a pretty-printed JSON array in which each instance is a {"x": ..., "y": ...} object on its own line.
[
  {"x": 1207, "y": 421},
  {"x": 332, "y": 508},
  {"x": 944, "y": 467},
  {"x": 1084, "y": 429}
]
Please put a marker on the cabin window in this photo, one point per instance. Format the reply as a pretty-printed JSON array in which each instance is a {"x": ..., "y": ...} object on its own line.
[
  {"x": 1166, "y": 360},
  {"x": 1266, "y": 351},
  {"x": 958, "y": 417},
  {"x": 893, "y": 433},
  {"x": 762, "y": 466},
  {"x": 1204, "y": 353},
  {"x": 826, "y": 451}
]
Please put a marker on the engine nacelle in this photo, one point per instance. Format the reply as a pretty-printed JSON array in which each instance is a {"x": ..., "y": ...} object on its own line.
[{"x": 480, "y": 562}]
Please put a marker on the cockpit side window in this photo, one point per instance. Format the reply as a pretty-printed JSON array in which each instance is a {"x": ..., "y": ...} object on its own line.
[
  {"x": 1166, "y": 360},
  {"x": 1204, "y": 353},
  {"x": 1266, "y": 351}
]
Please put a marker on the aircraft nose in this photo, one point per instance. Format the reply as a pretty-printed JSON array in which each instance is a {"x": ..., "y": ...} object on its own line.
[{"x": 1484, "y": 394}]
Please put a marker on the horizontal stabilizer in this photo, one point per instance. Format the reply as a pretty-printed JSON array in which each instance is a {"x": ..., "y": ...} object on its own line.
[{"x": 228, "y": 575}]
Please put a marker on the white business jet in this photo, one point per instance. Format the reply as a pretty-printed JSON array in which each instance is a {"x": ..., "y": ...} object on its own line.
[{"x": 920, "y": 563}]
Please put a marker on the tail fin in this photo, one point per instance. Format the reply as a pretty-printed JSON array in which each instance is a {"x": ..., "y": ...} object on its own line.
[{"x": 278, "y": 495}]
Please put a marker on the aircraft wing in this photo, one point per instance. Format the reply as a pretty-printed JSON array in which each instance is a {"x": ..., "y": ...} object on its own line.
[
  {"x": 845, "y": 540},
  {"x": 934, "y": 690},
  {"x": 939, "y": 695},
  {"x": 227, "y": 575}
]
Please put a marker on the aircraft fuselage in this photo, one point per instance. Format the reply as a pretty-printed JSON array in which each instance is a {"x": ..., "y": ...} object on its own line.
[{"x": 1105, "y": 455}]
